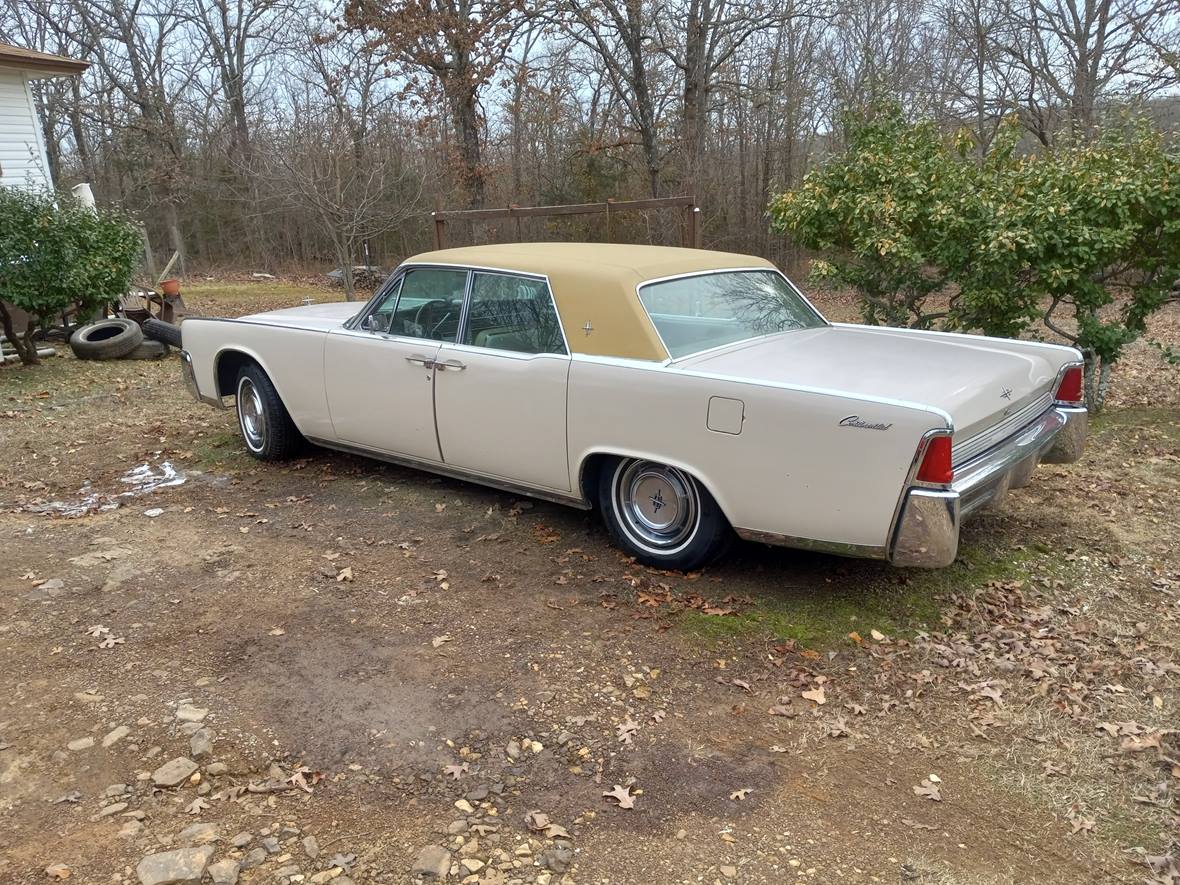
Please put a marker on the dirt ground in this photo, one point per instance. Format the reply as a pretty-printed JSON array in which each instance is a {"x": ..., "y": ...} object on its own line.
[{"x": 368, "y": 672}]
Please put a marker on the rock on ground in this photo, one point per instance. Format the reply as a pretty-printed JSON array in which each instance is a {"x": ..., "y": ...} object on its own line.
[
  {"x": 224, "y": 872},
  {"x": 184, "y": 865},
  {"x": 433, "y": 861},
  {"x": 173, "y": 773}
]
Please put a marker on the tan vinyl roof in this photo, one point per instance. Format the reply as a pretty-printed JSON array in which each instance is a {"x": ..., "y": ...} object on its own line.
[
  {"x": 595, "y": 284},
  {"x": 38, "y": 63}
]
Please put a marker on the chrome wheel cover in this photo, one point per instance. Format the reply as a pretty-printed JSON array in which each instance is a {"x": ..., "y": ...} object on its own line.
[
  {"x": 657, "y": 505},
  {"x": 251, "y": 415}
]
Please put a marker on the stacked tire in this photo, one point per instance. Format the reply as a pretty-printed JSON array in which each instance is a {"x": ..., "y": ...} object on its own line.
[{"x": 121, "y": 339}]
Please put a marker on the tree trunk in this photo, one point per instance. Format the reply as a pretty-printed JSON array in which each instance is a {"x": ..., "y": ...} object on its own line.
[
  {"x": 465, "y": 118},
  {"x": 24, "y": 346},
  {"x": 80, "y": 145}
]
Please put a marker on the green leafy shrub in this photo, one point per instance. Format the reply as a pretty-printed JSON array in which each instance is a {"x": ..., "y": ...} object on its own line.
[
  {"x": 55, "y": 254},
  {"x": 1084, "y": 238}
]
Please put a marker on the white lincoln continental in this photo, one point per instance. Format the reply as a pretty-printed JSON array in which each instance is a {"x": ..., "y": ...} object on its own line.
[{"x": 688, "y": 395}]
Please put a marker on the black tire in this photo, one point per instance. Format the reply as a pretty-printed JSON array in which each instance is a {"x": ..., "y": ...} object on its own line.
[
  {"x": 106, "y": 339},
  {"x": 633, "y": 495},
  {"x": 158, "y": 330},
  {"x": 267, "y": 428},
  {"x": 148, "y": 350}
]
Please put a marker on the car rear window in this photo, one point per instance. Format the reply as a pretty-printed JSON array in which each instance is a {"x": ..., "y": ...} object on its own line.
[{"x": 709, "y": 310}]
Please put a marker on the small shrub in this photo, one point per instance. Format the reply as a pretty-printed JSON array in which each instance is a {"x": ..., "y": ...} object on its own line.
[
  {"x": 1057, "y": 236},
  {"x": 55, "y": 254}
]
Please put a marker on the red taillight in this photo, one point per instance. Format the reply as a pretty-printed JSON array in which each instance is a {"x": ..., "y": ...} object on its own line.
[
  {"x": 936, "y": 462},
  {"x": 1070, "y": 390}
]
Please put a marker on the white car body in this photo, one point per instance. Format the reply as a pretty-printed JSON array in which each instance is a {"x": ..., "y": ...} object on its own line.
[{"x": 811, "y": 437}]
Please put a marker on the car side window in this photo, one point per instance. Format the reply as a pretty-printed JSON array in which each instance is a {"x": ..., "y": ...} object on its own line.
[
  {"x": 427, "y": 304},
  {"x": 381, "y": 316},
  {"x": 514, "y": 313}
]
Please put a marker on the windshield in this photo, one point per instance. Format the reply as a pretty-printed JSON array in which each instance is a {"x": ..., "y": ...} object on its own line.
[{"x": 697, "y": 313}]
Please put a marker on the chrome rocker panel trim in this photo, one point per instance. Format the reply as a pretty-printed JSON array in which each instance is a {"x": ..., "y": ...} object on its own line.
[
  {"x": 837, "y": 548},
  {"x": 483, "y": 479},
  {"x": 927, "y": 533}
]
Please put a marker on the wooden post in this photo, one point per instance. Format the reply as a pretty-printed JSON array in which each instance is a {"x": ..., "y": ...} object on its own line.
[
  {"x": 694, "y": 227},
  {"x": 519, "y": 236},
  {"x": 440, "y": 230}
]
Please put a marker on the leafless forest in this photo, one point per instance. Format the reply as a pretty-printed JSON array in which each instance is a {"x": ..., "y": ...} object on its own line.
[{"x": 274, "y": 135}]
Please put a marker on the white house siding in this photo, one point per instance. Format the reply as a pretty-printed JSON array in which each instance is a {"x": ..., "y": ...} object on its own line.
[{"x": 22, "y": 154}]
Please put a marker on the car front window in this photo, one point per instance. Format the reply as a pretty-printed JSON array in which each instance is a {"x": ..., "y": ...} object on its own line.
[{"x": 710, "y": 310}]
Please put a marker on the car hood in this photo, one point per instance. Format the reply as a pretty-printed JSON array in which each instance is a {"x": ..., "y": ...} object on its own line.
[
  {"x": 321, "y": 317},
  {"x": 978, "y": 381}
]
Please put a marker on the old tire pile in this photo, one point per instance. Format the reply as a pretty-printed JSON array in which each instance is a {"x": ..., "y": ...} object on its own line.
[{"x": 115, "y": 339}]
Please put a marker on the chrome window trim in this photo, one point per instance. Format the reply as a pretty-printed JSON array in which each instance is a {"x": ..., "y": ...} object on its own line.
[
  {"x": 706, "y": 273},
  {"x": 471, "y": 270},
  {"x": 524, "y": 276},
  {"x": 369, "y": 306}
]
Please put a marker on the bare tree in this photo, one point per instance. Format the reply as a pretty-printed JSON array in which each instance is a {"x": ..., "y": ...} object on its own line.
[
  {"x": 622, "y": 33},
  {"x": 459, "y": 45},
  {"x": 1073, "y": 54}
]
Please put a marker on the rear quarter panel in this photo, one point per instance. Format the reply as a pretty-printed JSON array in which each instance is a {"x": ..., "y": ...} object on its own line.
[
  {"x": 793, "y": 470},
  {"x": 292, "y": 358}
]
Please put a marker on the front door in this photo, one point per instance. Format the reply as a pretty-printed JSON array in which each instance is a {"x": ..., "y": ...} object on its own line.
[
  {"x": 379, "y": 376},
  {"x": 500, "y": 391}
]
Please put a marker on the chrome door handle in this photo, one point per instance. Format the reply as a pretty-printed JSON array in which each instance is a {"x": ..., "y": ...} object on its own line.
[
  {"x": 451, "y": 364},
  {"x": 423, "y": 361}
]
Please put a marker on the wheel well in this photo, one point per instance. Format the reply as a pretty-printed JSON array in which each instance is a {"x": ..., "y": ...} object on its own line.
[
  {"x": 595, "y": 464},
  {"x": 229, "y": 363},
  {"x": 592, "y": 469}
]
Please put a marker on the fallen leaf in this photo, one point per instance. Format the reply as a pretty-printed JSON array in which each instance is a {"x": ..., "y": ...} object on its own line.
[
  {"x": 344, "y": 575},
  {"x": 626, "y": 731},
  {"x": 278, "y": 631},
  {"x": 196, "y": 806},
  {"x": 300, "y": 778},
  {"x": 817, "y": 695},
  {"x": 440, "y": 640},
  {"x": 739, "y": 795},
  {"x": 57, "y": 871},
  {"x": 928, "y": 790},
  {"x": 456, "y": 771},
  {"x": 622, "y": 795}
]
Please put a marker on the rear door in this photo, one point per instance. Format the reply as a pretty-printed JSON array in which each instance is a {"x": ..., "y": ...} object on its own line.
[
  {"x": 499, "y": 391},
  {"x": 379, "y": 376}
]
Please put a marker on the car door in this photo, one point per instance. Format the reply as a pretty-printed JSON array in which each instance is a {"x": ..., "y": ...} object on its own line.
[
  {"x": 499, "y": 392},
  {"x": 378, "y": 374}
]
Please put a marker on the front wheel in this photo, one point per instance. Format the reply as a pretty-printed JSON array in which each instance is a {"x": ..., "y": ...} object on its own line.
[
  {"x": 661, "y": 515},
  {"x": 267, "y": 429}
]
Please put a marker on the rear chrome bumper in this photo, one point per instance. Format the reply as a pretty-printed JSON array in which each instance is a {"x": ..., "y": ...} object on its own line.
[{"x": 927, "y": 530}]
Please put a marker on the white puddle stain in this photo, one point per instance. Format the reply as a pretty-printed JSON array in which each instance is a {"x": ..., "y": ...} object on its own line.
[{"x": 143, "y": 479}]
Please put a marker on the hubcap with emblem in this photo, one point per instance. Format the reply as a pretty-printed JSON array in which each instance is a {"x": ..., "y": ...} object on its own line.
[
  {"x": 658, "y": 505},
  {"x": 251, "y": 415}
]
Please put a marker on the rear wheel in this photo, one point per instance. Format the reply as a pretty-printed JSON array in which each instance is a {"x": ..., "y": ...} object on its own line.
[
  {"x": 267, "y": 429},
  {"x": 661, "y": 514}
]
